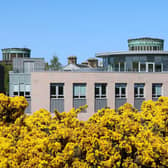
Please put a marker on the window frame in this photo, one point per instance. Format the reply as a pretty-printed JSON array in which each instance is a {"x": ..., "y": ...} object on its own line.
[
  {"x": 100, "y": 87},
  {"x": 57, "y": 86},
  {"x": 154, "y": 88},
  {"x": 79, "y": 96},
  {"x": 120, "y": 87},
  {"x": 139, "y": 86}
]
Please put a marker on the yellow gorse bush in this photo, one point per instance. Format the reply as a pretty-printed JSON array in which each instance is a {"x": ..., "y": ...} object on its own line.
[{"x": 123, "y": 138}]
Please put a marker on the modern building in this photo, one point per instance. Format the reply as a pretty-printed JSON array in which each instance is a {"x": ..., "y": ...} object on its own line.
[
  {"x": 127, "y": 76},
  {"x": 20, "y": 77}
]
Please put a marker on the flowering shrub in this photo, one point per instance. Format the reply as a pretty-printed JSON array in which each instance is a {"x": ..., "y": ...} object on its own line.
[{"x": 122, "y": 138}]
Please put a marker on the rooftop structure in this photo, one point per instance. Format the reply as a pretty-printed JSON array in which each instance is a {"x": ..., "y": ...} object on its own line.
[
  {"x": 9, "y": 53},
  {"x": 145, "y": 44}
]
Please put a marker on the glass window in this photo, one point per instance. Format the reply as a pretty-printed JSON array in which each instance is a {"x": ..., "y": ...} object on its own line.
[
  {"x": 156, "y": 90},
  {"x": 116, "y": 66},
  {"x": 135, "y": 66},
  {"x": 28, "y": 67},
  {"x": 143, "y": 67},
  {"x": 122, "y": 67},
  {"x": 158, "y": 67},
  {"x": 56, "y": 90},
  {"x": 139, "y": 90},
  {"x": 120, "y": 90},
  {"x": 100, "y": 90},
  {"x": 79, "y": 91}
]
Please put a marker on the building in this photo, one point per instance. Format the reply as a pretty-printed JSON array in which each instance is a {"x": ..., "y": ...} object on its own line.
[
  {"x": 127, "y": 76},
  {"x": 9, "y": 53},
  {"x": 20, "y": 77}
]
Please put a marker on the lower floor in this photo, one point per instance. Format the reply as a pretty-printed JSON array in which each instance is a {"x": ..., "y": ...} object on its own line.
[{"x": 65, "y": 90}]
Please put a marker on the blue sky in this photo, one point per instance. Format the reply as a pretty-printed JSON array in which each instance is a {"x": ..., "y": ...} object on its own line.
[{"x": 79, "y": 27}]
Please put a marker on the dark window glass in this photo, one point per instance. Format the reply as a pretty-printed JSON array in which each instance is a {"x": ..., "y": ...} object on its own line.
[
  {"x": 121, "y": 66},
  {"x": 53, "y": 90},
  {"x": 143, "y": 67},
  {"x": 103, "y": 89},
  {"x": 135, "y": 66},
  {"x": 116, "y": 66},
  {"x": 15, "y": 93},
  {"x": 60, "y": 90},
  {"x": 158, "y": 67},
  {"x": 21, "y": 93},
  {"x": 97, "y": 91}
]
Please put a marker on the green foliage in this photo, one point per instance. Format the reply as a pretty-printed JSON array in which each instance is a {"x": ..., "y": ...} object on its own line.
[
  {"x": 7, "y": 68},
  {"x": 54, "y": 64}
]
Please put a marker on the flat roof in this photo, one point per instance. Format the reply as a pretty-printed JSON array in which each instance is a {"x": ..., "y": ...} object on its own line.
[{"x": 119, "y": 53}]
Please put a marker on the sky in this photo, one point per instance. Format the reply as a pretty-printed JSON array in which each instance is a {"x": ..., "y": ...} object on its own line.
[{"x": 79, "y": 27}]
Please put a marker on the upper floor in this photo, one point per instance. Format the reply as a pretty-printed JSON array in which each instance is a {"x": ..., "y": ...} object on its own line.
[
  {"x": 144, "y": 55},
  {"x": 28, "y": 65}
]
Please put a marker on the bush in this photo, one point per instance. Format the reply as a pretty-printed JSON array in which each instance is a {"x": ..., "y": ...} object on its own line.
[{"x": 122, "y": 138}]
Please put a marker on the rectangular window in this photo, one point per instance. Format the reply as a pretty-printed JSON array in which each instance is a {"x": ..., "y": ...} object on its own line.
[
  {"x": 139, "y": 90},
  {"x": 57, "y": 90},
  {"x": 120, "y": 90},
  {"x": 116, "y": 66},
  {"x": 27, "y": 91},
  {"x": 158, "y": 67},
  {"x": 156, "y": 90},
  {"x": 135, "y": 66},
  {"x": 79, "y": 91},
  {"x": 28, "y": 67},
  {"x": 143, "y": 67},
  {"x": 100, "y": 90},
  {"x": 122, "y": 66}
]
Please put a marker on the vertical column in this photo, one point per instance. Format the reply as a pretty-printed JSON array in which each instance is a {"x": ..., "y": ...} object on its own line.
[
  {"x": 68, "y": 96},
  {"x": 9, "y": 56},
  {"x": 90, "y": 98},
  {"x": 111, "y": 95},
  {"x": 130, "y": 92}
]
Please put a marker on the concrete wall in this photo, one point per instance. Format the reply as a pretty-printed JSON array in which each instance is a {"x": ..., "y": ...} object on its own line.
[{"x": 40, "y": 82}]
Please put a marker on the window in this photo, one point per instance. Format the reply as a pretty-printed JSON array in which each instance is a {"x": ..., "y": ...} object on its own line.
[
  {"x": 139, "y": 90},
  {"x": 120, "y": 90},
  {"x": 158, "y": 68},
  {"x": 27, "y": 91},
  {"x": 28, "y": 67},
  {"x": 15, "y": 90},
  {"x": 21, "y": 90},
  {"x": 116, "y": 66},
  {"x": 143, "y": 67},
  {"x": 122, "y": 66},
  {"x": 135, "y": 66},
  {"x": 57, "y": 90},
  {"x": 100, "y": 90},
  {"x": 156, "y": 90},
  {"x": 79, "y": 91}
]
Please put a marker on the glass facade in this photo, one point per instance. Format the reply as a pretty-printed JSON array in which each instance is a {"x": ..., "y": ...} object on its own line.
[{"x": 136, "y": 63}]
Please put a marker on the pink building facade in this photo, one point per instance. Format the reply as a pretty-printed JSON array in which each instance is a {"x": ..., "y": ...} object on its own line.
[{"x": 96, "y": 89}]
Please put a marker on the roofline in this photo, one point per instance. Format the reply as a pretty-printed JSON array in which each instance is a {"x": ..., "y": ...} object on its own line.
[
  {"x": 146, "y": 38},
  {"x": 106, "y": 54}
]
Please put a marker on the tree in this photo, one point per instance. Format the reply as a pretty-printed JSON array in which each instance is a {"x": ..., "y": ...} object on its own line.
[{"x": 54, "y": 64}]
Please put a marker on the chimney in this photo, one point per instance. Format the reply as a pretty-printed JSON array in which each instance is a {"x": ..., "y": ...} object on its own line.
[
  {"x": 72, "y": 60},
  {"x": 93, "y": 62}
]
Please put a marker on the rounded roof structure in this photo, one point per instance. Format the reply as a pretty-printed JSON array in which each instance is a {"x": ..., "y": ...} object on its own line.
[
  {"x": 145, "y": 43},
  {"x": 16, "y": 49}
]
